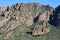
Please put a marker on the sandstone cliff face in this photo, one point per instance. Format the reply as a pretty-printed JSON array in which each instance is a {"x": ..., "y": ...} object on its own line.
[{"x": 27, "y": 14}]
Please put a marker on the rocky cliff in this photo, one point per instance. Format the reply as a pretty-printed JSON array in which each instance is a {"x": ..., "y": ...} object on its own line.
[{"x": 25, "y": 15}]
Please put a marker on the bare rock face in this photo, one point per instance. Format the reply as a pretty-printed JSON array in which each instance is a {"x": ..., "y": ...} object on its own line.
[
  {"x": 29, "y": 21},
  {"x": 40, "y": 29},
  {"x": 20, "y": 14},
  {"x": 43, "y": 16}
]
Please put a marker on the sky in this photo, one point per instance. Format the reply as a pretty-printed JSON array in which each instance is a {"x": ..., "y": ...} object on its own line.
[{"x": 53, "y": 3}]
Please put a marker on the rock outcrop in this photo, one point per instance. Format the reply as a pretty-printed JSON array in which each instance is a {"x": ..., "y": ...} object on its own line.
[{"x": 26, "y": 14}]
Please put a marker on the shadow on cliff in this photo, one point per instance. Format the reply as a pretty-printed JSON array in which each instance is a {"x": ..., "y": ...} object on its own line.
[{"x": 55, "y": 18}]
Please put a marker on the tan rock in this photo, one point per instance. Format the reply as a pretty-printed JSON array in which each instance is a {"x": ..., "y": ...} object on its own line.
[
  {"x": 43, "y": 16},
  {"x": 38, "y": 30},
  {"x": 29, "y": 21},
  {"x": 3, "y": 8}
]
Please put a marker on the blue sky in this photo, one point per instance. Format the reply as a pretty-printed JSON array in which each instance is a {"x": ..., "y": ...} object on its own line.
[{"x": 53, "y": 3}]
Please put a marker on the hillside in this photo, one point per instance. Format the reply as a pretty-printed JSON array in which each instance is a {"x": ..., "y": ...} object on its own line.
[{"x": 31, "y": 21}]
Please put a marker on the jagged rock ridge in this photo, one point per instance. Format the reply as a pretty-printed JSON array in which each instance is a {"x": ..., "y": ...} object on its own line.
[{"x": 26, "y": 14}]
